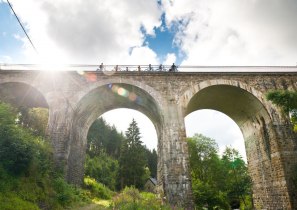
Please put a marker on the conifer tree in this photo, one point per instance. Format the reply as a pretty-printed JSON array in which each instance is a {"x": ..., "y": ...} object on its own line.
[{"x": 132, "y": 158}]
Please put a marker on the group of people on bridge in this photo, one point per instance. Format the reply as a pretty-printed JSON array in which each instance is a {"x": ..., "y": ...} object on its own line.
[{"x": 172, "y": 68}]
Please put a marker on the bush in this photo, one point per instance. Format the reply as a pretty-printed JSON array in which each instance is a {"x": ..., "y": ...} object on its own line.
[
  {"x": 15, "y": 148},
  {"x": 9, "y": 201},
  {"x": 27, "y": 176},
  {"x": 207, "y": 196},
  {"x": 67, "y": 194},
  {"x": 103, "y": 169},
  {"x": 131, "y": 198},
  {"x": 97, "y": 189}
]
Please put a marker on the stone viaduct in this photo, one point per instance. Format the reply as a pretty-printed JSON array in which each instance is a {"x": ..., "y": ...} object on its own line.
[{"x": 76, "y": 99}]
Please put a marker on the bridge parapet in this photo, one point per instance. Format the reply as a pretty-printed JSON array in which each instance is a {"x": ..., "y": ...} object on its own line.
[{"x": 147, "y": 68}]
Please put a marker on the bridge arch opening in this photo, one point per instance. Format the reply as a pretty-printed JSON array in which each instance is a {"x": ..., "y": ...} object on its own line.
[
  {"x": 30, "y": 103},
  {"x": 106, "y": 138},
  {"x": 243, "y": 105},
  {"x": 22, "y": 94},
  {"x": 147, "y": 128},
  {"x": 97, "y": 102}
]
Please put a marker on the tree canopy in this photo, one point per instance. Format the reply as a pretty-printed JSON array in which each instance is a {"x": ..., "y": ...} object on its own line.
[
  {"x": 221, "y": 182},
  {"x": 287, "y": 100},
  {"x": 132, "y": 158},
  {"x": 117, "y": 160}
]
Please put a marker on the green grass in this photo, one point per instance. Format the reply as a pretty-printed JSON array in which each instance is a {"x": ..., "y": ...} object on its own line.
[{"x": 11, "y": 201}]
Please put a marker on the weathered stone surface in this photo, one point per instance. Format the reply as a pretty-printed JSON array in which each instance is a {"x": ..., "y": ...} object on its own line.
[{"x": 76, "y": 100}]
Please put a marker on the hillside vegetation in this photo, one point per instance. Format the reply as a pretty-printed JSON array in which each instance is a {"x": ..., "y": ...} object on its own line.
[{"x": 116, "y": 169}]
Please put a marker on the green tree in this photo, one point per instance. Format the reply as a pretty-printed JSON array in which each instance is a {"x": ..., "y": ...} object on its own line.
[
  {"x": 216, "y": 182},
  {"x": 102, "y": 138},
  {"x": 132, "y": 159},
  {"x": 152, "y": 161},
  {"x": 103, "y": 169},
  {"x": 15, "y": 150},
  {"x": 27, "y": 175},
  {"x": 287, "y": 100},
  {"x": 237, "y": 181},
  {"x": 207, "y": 173},
  {"x": 203, "y": 154}
]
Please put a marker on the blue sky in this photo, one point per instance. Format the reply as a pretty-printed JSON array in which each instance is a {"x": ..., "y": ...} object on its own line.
[
  {"x": 163, "y": 42},
  {"x": 9, "y": 45},
  {"x": 187, "y": 32}
]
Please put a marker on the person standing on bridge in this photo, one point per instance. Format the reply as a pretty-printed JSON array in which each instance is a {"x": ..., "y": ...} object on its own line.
[
  {"x": 100, "y": 67},
  {"x": 139, "y": 69},
  {"x": 173, "y": 68},
  {"x": 150, "y": 67},
  {"x": 160, "y": 67}
]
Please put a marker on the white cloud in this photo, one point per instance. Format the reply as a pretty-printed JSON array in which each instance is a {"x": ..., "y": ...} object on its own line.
[
  {"x": 141, "y": 55},
  {"x": 231, "y": 32},
  {"x": 170, "y": 58},
  {"x": 77, "y": 31},
  {"x": 18, "y": 37}
]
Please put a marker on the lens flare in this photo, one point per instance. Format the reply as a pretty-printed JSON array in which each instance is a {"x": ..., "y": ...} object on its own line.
[
  {"x": 81, "y": 72},
  {"x": 91, "y": 77},
  {"x": 132, "y": 96},
  {"x": 123, "y": 92},
  {"x": 114, "y": 88}
]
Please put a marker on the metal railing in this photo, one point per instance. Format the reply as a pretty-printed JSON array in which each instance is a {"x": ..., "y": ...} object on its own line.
[{"x": 147, "y": 68}]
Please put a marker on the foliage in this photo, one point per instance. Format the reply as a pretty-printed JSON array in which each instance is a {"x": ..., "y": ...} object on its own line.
[
  {"x": 109, "y": 151},
  {"x": 66, "y": 194},
  {"x": 237, "y": 179},
  {"x": 131, "y": 198},
  {"x": 103, "y": 169},
  {"x": 28, "y": 179},
  {"x": 287, "y": 100},
  {"x": 208, "y": 196},
  {"x": 152, "y": 161},
  {"x": 35, "y": 119},
  {"x": 132, "y": 159},
  {"x": 97, "y": 189},
  {"x": 7, "y": 115},
  {"x": 217, "y": 182},
  {"x": 10, "y": 201},
  {"x": 102, "y": 138},
  {"x": 15, "y": 153},
  {"x": 203, "y": 154},
  {"x": 19, "y": 149}
]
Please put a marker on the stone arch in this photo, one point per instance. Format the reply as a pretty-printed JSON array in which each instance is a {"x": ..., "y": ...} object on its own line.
[
  {"x": 98, "y": 101},
  {"x": 112, "y": 80},
  {"x": 22, "y": 94},
  {"x": 250, "y": 110},
  {"x": 234, "y": 98}
]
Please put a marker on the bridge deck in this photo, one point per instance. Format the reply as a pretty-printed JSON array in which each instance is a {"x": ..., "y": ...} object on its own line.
[{"x": 147, "y": 68}]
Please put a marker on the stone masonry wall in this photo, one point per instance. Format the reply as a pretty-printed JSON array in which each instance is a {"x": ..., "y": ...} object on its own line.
[{"x": 270, "y": 142}]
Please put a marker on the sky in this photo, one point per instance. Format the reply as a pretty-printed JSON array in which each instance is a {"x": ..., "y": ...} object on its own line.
[{"x": 187, "y": 32}]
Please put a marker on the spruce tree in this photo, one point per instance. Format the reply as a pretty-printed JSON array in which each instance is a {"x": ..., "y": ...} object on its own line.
[{"x": 132, "y": 159}]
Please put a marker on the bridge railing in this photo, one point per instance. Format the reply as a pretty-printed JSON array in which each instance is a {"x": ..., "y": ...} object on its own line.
[{"x": 148, "y": 68}]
